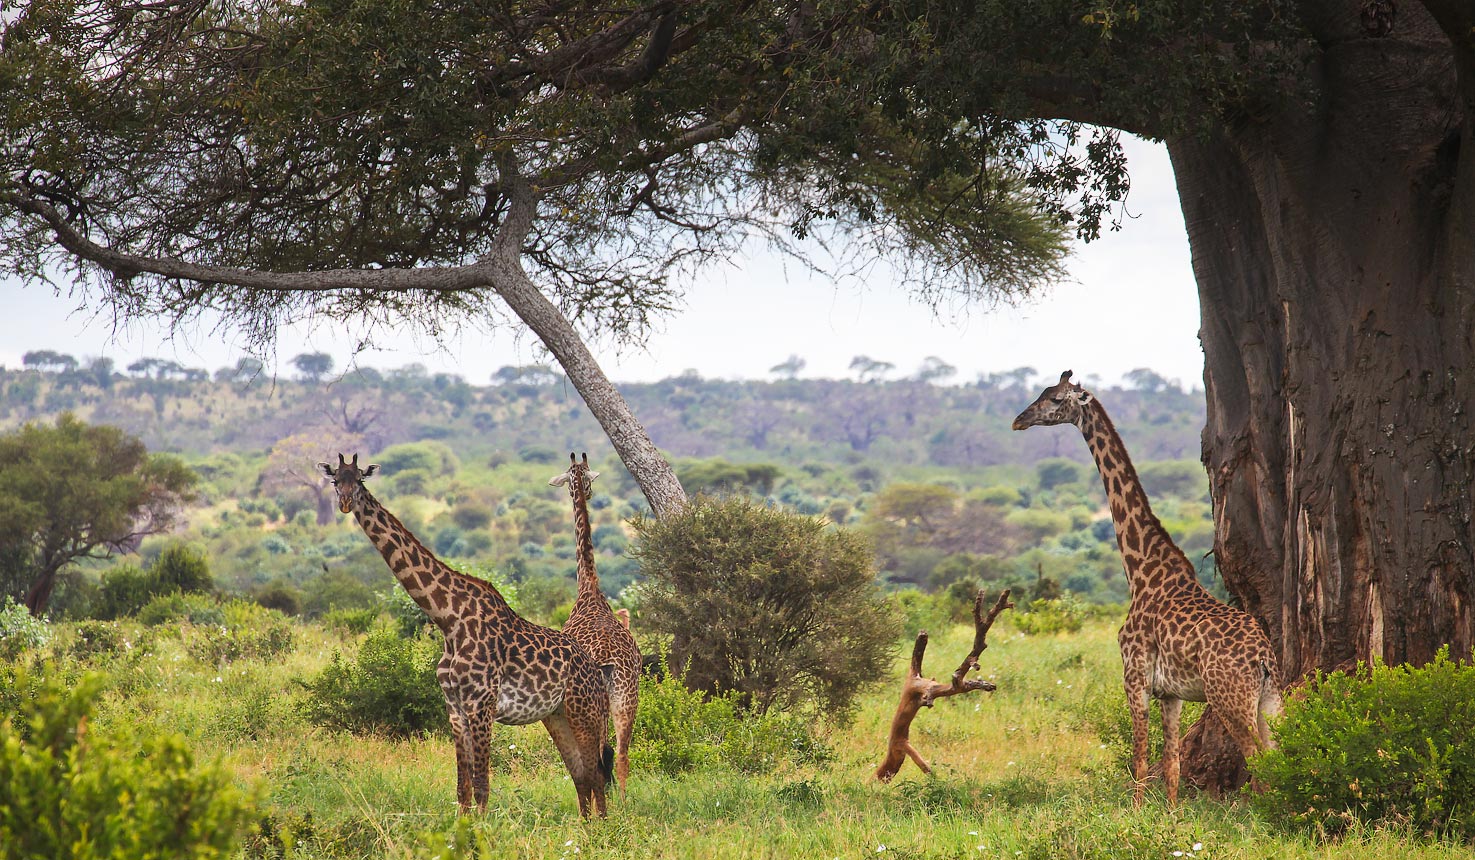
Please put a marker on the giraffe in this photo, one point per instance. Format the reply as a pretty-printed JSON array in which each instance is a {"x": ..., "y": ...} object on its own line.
[
  {"x": 497, "y": 666},
  {"x": 1178, "y": 642},
  {"x": 606, "y": 634}
]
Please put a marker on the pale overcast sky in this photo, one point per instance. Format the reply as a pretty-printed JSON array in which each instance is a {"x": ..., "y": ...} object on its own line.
[{"x": 1130, "y": 302}]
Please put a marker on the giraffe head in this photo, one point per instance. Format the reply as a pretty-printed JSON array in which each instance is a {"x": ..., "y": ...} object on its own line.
[
  {"x": 578, "y": 477},
  {"x": 348, "y": 478},
  {"x": 1062, "y": 403}
]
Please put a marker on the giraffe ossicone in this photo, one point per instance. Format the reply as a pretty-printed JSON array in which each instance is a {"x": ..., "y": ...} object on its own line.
[
  {"x": 1178, "y": 642},
  {"x": 497, "y": 667}
]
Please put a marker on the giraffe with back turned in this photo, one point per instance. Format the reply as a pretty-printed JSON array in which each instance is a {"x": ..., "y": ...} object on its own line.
[
  {"x": 595, "y": 626},
  {"x": 1178, "y": 642},
  {"x": 497, "y": 666}
]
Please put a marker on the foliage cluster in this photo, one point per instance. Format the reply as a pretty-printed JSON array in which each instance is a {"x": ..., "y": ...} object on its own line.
[
  {"x": 680, "y": 729},
  {"x": 1391, "y": 745},
  {"x": 388, "y": 688},
  {"x": 69, "y": 789},
  {"x": 20, "y": 631},
  {"x": 776, "y": 608},
  {"x": 1059, "y": 615},
  {"x": 126, "y": 589}
]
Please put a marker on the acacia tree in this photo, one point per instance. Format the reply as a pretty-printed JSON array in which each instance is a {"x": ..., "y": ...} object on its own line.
[
  {"x": 379, "y": 165},
  {"x": 78, "y": 491}
]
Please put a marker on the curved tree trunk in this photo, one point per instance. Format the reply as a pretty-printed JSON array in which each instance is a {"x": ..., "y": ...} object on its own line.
[
  {"x": 649, "y": 468},
  {"x": 1334, "y": 263}
]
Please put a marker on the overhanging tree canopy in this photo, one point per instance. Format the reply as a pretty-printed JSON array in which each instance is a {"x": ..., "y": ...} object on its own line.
[{"x": 378, "y": 163}]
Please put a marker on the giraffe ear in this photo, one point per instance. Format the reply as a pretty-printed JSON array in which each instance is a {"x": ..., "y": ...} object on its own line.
[
  {"x": 558, "y": 480},
  {"x": 1083, "y": 397},
  {"x": 327, "y": 470},
  {"x": 374, "y": 467},
  {"x": 592, "y": 476}
]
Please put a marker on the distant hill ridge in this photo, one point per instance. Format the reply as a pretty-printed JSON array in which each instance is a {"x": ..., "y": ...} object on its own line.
[{"x": 531, "y": 412}]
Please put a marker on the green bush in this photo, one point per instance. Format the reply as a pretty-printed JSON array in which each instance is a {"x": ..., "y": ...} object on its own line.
[
  {"x": 1394, "y": 744},
  {"x": 389, "y": 688},
  {"x": 249, "y": 632},
  {"x": 1060, "y": 615},
  {"x": 778, "y": 608},
  {"x": 680, "y": 729},
  {"x": 96, "y": 639},
  {"x": 20, "y": 631},
  {"x": 175, "y": 606},
  {"x": 119, "y": 795},
  {"x": 181, "y": 567},
  {"x": 123, "y": 591},
  {"x": 350, "y": 621}
]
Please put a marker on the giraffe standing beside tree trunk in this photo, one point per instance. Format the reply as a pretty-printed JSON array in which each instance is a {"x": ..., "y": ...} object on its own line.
[
  {"x": 1179, "y": 644},
  {"x": 596, "y": 627},
  {"x": 498, "y": 666}
]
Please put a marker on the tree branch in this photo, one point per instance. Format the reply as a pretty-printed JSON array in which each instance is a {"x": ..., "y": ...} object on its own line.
[{"x": 918, "y": 692}]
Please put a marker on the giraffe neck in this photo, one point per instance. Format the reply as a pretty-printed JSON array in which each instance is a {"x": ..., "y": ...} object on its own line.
[
  {"x": 433, "y": 585},
  {"x": 1153, "y": 562},
  {"x": 584, "y": 543}
]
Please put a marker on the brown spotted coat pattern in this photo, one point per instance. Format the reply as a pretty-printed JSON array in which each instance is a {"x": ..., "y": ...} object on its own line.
[
  {"x": 596, "y": 627},
  {"x": 497, "y": 666},
  {"x": 1179, "y": 644}
]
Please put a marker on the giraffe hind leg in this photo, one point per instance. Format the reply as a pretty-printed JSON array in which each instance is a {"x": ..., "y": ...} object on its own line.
[
  {"x": 582, "y": 753},
  {"x": 1172, "y": 714},
  {"x": 623, "y": 709}
]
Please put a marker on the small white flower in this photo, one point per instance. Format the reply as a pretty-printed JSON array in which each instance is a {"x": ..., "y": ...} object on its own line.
[
  {"x": 1058, "y": 681},
  {"x": 1177, "y": 853},
  {"x": 1198, "y": 846},
  {"x": 973, "y": 833},
  {"x": 512, "y": 746},
  {"x": 881, "y": 847},
  {"x": 1010, "y": 764},
  {"x": 568, "y": 843}
]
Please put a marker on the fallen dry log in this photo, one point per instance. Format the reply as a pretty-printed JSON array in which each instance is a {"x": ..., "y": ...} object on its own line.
[{"x": 918, "y": 692}]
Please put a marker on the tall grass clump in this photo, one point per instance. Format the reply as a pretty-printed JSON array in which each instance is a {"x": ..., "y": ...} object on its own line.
[
  {"x": 777, "y": 608},
  {"x": 70, "y": 789},
  {"x": 1381, "y": 745}
]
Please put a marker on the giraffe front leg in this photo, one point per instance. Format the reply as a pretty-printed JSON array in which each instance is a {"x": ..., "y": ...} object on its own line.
[
  {"x": 462, "y": 738},
  {"x": 479, "y": 745},
  {"x": 1137, "y": 707},
  {"x": 1172, "y": 713}
]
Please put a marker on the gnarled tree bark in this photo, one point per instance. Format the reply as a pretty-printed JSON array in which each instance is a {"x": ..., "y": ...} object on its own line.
[{"x": 1333, "y": 251}]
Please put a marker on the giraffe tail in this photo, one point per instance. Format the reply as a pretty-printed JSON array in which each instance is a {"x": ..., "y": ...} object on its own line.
[{"x": 607, "y": 763}]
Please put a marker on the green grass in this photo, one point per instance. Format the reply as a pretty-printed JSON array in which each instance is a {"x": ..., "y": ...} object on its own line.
[{"x": 1020, "y": 773}]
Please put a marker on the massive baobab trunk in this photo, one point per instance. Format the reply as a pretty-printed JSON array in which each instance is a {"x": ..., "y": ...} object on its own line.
[{"x": 1333, "y": 252}]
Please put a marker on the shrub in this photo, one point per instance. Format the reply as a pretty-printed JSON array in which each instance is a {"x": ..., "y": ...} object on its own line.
[
  {"x": 681, "y": 729},
  {"x": 1059, "y": 615},
  {"x": 120, "y": 794},
  {"x": 775, "y": 607},
  {"x": 250, "y": 632},
  {"x": 94, "y": 639},
  {"x": 1394, "y": 744},
  {"x": 123, "y": 591},
  {"x": 20, "y": 631},
  {"x": 194, "y": 608},
  {"x": 388, "y": 688},
  {"x": 351, "y": 621},
  {"x": 181, "y": 567}
]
